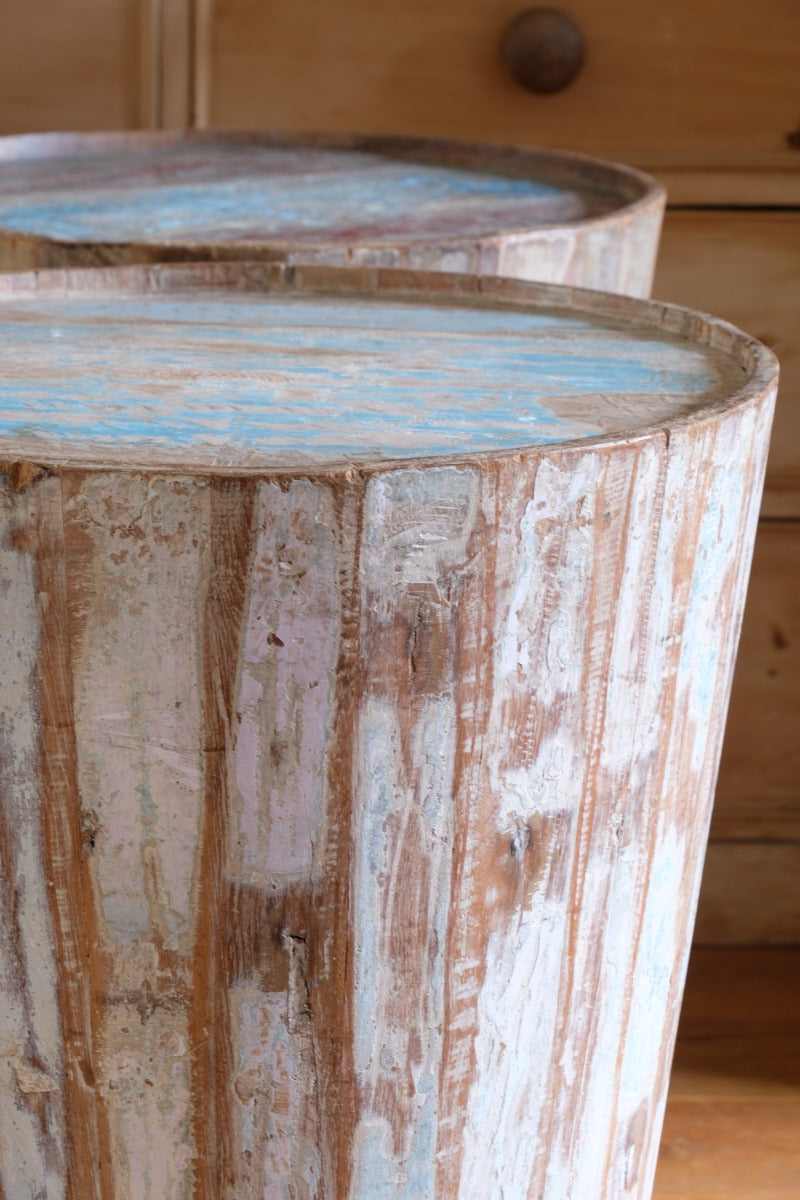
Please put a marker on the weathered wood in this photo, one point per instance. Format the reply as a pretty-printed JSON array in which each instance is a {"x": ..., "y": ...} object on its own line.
[
  {"x": 382, "y": 626},
  {"x": 68, "y": 200}
]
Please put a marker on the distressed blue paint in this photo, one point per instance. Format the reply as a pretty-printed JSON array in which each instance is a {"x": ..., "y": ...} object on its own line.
[
  {"x": 329, "y": 380},
  {"x": 175, "y": 193}
]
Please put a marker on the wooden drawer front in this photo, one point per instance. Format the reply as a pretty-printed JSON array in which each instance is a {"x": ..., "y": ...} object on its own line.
[
  {"x": 745, "y": 266},
  {"x": 684, "y": 81}
]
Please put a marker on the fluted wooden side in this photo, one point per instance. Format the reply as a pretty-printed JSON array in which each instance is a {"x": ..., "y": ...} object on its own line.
[{"x": 352, "y": 819}]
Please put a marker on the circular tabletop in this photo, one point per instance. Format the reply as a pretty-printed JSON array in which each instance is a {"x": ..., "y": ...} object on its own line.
[
  {"x": 214, "y": 189},
  {"x": 263, "y": 367}
]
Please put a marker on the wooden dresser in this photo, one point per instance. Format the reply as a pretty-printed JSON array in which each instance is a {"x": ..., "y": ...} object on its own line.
[{"x": 710, "y": 105}]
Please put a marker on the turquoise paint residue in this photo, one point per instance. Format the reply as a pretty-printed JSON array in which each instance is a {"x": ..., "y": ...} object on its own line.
[
  {"x": 327, "y": 380},
  {"x": 263, "y": 194}
]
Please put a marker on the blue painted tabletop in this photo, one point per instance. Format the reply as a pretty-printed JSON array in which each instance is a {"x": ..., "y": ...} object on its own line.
[
  {"x": 279, "y": 378},
  {"x": 131, "y": 189}
]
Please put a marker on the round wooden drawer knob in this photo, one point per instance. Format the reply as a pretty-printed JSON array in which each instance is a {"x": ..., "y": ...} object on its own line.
[{"x": 543, "y": 49}]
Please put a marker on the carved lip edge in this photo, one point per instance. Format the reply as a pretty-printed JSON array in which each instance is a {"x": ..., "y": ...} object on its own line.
[
  {"x": 639, "y": 193},
  {"x": 398, "y": 285}
]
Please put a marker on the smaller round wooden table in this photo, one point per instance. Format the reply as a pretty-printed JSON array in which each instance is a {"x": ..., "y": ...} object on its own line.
[
  {"x": 365, "y": 643},
  {"x": 89, "y": 199}
]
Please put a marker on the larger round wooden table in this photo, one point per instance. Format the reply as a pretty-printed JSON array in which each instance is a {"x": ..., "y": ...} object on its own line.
[{"x": 365, "y": 643}]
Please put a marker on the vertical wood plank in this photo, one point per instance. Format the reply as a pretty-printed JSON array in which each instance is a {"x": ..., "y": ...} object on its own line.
[
  {"x": 284, "y": 709},
  {"x": 418, "y": 527},
  {"x": 707, "y": 579},
  {"x": 177, "y": 63},
  {"x": 150, "y": 64},
  {"x": 34, "y": 1098},
  {"x": 136, "y": 555},
  {"x": 82, "y": 978},
  {"x": 229, "y": 535},
  {"x": 204, "y": 13},
  {"x": 166, "y": 63},
  {"x": 330, "y": 944}
]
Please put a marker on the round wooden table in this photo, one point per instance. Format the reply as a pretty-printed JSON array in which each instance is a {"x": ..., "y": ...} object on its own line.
[
  {"x": 365, "y": 643},
  {"x": 88, "y": 199}
]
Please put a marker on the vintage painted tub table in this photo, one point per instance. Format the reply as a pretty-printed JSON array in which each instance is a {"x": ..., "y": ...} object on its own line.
[
  {"x": 366, "y": 642},
  {"x": 88, "y": 199}
]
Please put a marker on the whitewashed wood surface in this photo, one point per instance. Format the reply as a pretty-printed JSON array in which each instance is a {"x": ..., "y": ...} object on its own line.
[
  {"x": 89, "y": 199},
  {"x": 352, "y": 817}
]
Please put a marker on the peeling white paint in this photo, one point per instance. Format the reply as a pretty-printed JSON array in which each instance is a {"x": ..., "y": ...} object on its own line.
[
  {"x": 285, "y": 696},
  {"x": 31, "y": 1062}
]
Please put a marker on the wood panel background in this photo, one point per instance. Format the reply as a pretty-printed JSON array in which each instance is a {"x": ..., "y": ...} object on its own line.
[
  {"x": 710, "y": 105},
  {"x": 96, "y": 64}
]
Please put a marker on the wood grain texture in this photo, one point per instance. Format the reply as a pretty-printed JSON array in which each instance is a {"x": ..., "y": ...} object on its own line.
[
  {"x": 268, "y": 367},
  {"x": 734, "y": 1101},
  {"x": 393, "y": 780},
  {"x": 73, "y": 67},
  {"x": 67, "y": 200},
  {"x": 729, "y": 1150}
]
